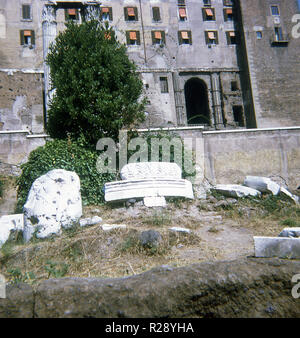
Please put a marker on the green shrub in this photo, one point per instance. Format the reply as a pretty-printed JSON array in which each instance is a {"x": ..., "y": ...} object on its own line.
[
  {"x": 97, "y": 86},
  {"x": 64, "y": 154}
]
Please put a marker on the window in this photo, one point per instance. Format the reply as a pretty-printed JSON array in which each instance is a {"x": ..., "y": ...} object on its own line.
[
  {"x": 238, "y": 115},
  {"x": 131, "y": 14},
  {"x": 185, "y": 37},
  {"x": 234, "y": 86},
  {"x": 208, "y": 14},
  {"x": 278, "y": 34},
  {"x": 182, "y": 13},
  {"x": 26, "y": 12},
  {"x": 182, "y": 10},
  {"x": 211, "y": 37},
  {"x": 231, "y": 38},
  {"x": 158, "y": 37},
  {"x": 71, "y": 14},
  {"x": 228, "y": 14},
  {"x": 259, "y": 35},
  {"x": 275, "y": 10},
  {"x": 133, "y": 38},
  {"x": 156, "y": 14},
  {"x": 207, "y": 2},
  {"x": 106, "y": 14},
  {"x": 164, "y": 88},
  {"x": 27, "y": 38}
]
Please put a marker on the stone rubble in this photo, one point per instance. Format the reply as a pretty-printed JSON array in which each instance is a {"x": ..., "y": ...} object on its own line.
[{"x": 234, "y": 190}]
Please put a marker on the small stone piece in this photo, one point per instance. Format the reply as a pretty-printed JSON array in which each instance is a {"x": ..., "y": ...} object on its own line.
[
  {"x": 90, "y": 221},
  {"x": 150, "y": 238},
  {"x": 155, "y": 201},
  {"x": 289, "y": 195},
  {"x": 178, "y": 229},
  {"x": 262, "y": 184},
  {"x": 234, "y": 190},
  {"x": 10, "y": 223},
  {"x": 107, "y": 227},
  {"x": 290, "y": 232},
  {"x": 277, "y": 247}
]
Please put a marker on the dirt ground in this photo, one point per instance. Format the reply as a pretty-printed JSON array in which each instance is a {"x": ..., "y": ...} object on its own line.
[{"x": 221, "y": 229}]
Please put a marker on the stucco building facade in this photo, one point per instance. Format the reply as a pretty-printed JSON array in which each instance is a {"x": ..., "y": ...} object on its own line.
[{"x": 218, "y": 63}]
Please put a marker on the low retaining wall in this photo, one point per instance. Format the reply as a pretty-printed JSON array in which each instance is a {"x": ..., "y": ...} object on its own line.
[
  {"x": 15, "y": 146},
  {"x": 228, "y": 156},
  {"x": 232, "y": 155},
  {"x": 241, "y": 288}
]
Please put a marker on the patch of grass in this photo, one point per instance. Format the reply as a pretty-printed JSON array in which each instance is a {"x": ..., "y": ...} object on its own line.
[
  {"x": 158, "y": 218},
  {"x": 132, "y": 244},
  {"x": 55, "y": 269},
  {"x": 7, "y": 249},
  {"x": 17, "y": 276},
  {"x": 290, "y": 222}
]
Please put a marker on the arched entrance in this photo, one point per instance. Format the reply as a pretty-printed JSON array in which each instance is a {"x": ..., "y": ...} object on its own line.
[{"x": 196, "y": 100}]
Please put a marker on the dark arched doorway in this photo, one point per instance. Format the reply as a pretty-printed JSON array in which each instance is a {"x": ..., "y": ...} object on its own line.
[{"x": 196, "y": 101}]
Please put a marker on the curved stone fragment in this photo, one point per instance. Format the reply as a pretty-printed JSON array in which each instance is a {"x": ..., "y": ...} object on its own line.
[{"x": 140, "y": 188}]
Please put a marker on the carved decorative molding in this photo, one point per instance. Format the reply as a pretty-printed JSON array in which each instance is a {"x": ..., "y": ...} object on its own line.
[{"x": 49, "y": 14}]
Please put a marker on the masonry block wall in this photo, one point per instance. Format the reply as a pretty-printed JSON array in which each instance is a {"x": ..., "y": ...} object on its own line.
[{"x": 273, "y": 58}]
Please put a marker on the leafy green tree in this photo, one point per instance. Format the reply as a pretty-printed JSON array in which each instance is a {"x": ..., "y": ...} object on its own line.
[{"x": 97, "y": 88}]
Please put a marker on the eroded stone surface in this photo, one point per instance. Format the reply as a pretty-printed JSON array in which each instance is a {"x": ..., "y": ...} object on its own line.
[
  {"x": 290, "y": 232},
  {"x": 142, "y": 170},
  {"x": 234, "y": 190},
  {"x": 281, "y": 247},
  {"x": 149, "y": 179},
  {"x": 54, "y": 201}
]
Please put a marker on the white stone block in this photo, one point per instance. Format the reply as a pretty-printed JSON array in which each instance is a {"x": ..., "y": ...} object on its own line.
[
  {"x": 54, "y": 201},
  {"x": 178, "y": 229},
  {"x": 234, "y": 190},
  {"x": 10, "y": 223},
  {"x": 263, "y": 184},
  {"x": 281, "y": 247},
  {"x": 107, "y": 227},
  {"x": 154, "y": 202}
]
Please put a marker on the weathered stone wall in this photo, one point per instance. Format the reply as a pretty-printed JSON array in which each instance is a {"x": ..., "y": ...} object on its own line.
[
  {"x": 15, "y": 148},
  {"x": 274, "y": 69},
  {"x": 21, "y": 101},
  {"x": 245, "y": 288},
  {"x": 230, "y": 156}
]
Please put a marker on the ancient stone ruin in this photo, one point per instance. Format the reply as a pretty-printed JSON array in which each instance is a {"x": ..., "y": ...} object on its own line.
[{"x": 150, "y": 181}]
